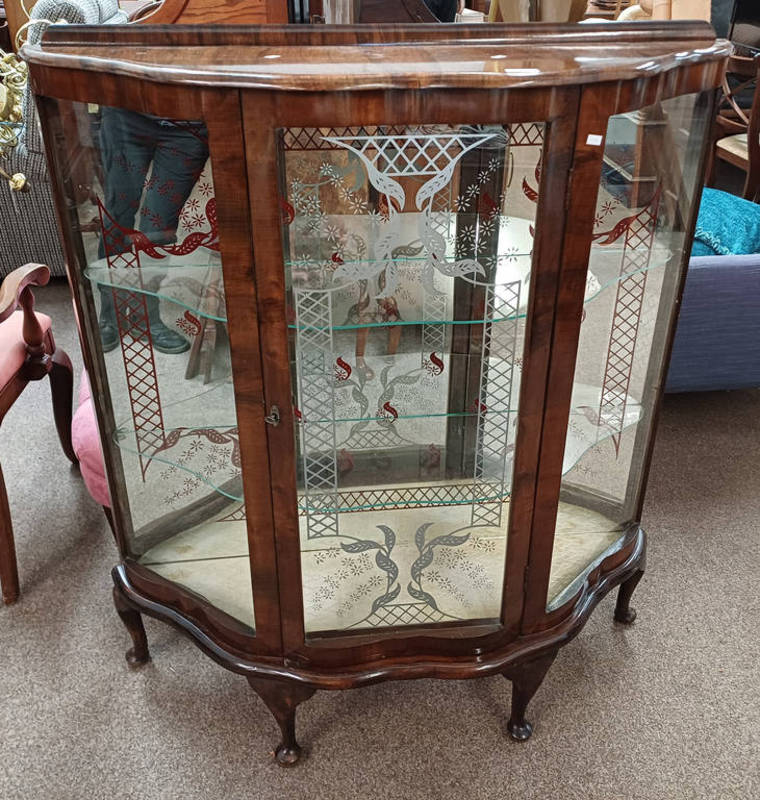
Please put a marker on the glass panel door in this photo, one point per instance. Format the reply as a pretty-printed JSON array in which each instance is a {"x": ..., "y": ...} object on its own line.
[
  {"x": 142, "y": 207},
  {"x": 408, "y": 261},
  {"x": 648, "y": 186}
]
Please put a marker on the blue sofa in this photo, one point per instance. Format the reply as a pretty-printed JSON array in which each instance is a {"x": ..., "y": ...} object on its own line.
[{"x": 717, "y": 342}]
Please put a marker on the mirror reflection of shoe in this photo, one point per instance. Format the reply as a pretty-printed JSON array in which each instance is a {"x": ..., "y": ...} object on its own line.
[
  {"x": 109, "y": 336},
  {"x": 165, "y": 340}
]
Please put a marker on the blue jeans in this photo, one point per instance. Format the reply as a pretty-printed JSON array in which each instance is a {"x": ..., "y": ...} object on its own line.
[{"x": 130, "y": 143}]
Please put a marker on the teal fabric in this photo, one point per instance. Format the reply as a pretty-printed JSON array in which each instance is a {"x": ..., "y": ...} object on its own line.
[{"x": 727, "y": 225}]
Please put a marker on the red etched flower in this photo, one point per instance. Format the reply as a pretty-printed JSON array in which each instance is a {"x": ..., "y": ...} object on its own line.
[{"x": 342, "y": 370}]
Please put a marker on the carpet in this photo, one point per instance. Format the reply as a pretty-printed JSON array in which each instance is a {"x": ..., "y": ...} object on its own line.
[{"x": 667, "y": 709}]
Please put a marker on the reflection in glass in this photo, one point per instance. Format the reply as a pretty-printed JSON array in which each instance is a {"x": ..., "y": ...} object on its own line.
[
  {"x": 648, "y": 183},
  {"x": 408, "y": 259},
  {"x": 143, "y": 195}
]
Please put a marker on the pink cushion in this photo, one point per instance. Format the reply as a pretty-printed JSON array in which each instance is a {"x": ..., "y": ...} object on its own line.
[
  {"x": 12, "y": 350},
  {"x": 85, "y": 438}
]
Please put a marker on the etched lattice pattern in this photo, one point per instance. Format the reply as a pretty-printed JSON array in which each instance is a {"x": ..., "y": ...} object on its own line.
[
  {"x": 402, "y": 497},
  {"x": 629, "y": 302},
  {"x": 373, "y": 438},
  {"x": 404, "y": 614},
  {"x": 314, "y": 138},
  {"x": 238, "y": 515},
  {"x": 410, "y": 154},
  {"x": 494, "y": 401},
  {"x": 316, "y": 396},
  {"x": 441, "y": 220},
  {"x": 136, "y": 343},
  {"x": 524, "y": 134},
  {"x": 434, "y": 306}
]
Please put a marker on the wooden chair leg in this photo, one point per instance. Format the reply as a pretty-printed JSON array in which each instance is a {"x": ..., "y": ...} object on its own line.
[
  {"x": 62, "y": 390},
  {"x": 751, "y": 183},
  {"x": 8, "y": 565}
]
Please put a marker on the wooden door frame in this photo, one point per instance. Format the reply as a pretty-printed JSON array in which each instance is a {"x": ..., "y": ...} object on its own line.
[
  {"x": 264, "y": 112},
  {"x": 220, "y": 110},
  {"x": 598, "y": 105}
]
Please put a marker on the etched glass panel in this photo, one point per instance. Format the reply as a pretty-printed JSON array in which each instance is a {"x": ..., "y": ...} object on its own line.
[
  {"x": 648, "y": 185},
  {"x": 408, "y": 258},
  {"x": 143, "y": 212}
]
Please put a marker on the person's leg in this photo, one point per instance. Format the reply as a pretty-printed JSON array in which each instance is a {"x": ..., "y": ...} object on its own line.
[
  {"x": 126, "y": 146},
  {"x": 126, "y": 153},
  {"x": 180, "y": 155}
]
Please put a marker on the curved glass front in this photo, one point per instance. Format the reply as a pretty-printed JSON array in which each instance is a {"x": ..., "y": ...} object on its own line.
[
  {"x": 143, "y": 214},
  {"x": 649, "y": 183}
]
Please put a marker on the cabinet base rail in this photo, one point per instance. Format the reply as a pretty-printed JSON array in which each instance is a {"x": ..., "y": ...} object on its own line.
[{"x": 525, "y": 660}]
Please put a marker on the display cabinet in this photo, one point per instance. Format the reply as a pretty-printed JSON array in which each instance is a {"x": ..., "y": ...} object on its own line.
[{"x": 375, "y": 330}]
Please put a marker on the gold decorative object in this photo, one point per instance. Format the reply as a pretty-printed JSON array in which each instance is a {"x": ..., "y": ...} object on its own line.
[{"x": 13, "y": 76}]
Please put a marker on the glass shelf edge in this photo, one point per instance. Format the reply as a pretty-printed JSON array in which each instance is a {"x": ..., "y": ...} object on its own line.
[{"x": 120, "y": 434}]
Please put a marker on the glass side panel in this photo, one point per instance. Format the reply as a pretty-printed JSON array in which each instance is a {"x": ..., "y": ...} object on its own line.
[
  {"x": 649, "y": 182},
  {"x": 141, "y": 198},
  {"x": 408, "y": 259}
]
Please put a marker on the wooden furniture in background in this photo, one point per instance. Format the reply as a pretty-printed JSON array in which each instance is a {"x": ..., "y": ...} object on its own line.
[
  {"x": 606, "y": 9},
  {"x": 218, "y": 12},
  {"x": 186, "y": 12},
  {"x": 513, "y": 11},
  {"x": 351, "y": 12},
  {"x": 5, "y": 36},
  {"x": 666, "y": 9},
  {"x": 737, "y": 130},
  {"x": 28, "y": 353},
  {"x": 451, "y": 337},
  {"x": 15, "y": 16}
]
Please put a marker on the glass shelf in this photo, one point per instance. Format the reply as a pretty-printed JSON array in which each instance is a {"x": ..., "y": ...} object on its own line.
[
  {"x": 194, "y": 442},
  {"x": 589, "y": 427},
  {"x": 196, "y": 287},
  {"x": 178, "y": 449},
  {"x": 405, "y": 323},
  {"x": 597, "y": 283},
  {"x": 384, "y": 419}
]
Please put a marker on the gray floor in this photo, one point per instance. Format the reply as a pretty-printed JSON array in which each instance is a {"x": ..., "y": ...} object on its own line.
[{"x": 667, "y": 709}]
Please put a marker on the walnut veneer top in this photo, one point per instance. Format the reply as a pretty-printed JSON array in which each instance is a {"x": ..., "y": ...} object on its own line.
[{"x": 329, "y": 58}]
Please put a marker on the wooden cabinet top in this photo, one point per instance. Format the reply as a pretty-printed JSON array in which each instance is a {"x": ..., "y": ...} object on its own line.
[{"x": 331, "y": 58}]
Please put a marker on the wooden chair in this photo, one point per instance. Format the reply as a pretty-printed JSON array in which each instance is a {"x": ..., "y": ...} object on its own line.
[
  {"x": 28, "y": 353},
  {"x": 736, "y": 135},
  {"x": 606, "y": 9}
]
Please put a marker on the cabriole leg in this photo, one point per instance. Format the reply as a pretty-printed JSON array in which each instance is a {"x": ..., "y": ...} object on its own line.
[
  {"x": 623, "y": 611},
  {"x": 282, "y": 698},
  {"x": 138, "y": 654},
  {"x": 8, "y": 566},
  {"x": 526, "y": 678}
]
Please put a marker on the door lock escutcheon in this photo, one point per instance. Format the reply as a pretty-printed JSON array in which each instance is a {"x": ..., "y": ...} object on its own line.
[{"x": 273, "y": 417}]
